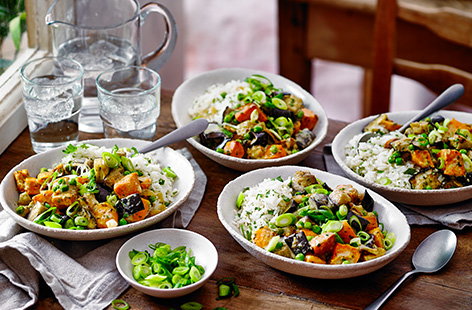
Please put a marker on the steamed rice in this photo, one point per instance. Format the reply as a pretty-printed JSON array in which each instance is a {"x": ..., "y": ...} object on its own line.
[
  {"x": 370, "y": 160},
  {"x": 147, "y": 164},
  {"x": 262, "y": 203},
  {"x": 213, "y": 102}
]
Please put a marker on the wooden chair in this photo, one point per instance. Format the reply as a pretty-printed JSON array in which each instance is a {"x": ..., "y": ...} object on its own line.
[{"x": 428, "y": 41}]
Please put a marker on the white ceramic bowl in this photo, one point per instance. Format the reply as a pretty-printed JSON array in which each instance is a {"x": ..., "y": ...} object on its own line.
[
  {"x": 166, "y": 157},
  {"x": 190, "y": 89},
  {"x": 409, "y": 196},
  {"x": 204, "y": 251},
  {"x": 389, "y": 215}
]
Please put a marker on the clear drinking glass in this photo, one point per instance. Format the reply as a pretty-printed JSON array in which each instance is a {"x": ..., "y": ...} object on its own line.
[
  {"x": 52, "y": 93},
  {"x": 130, "y": 100}
]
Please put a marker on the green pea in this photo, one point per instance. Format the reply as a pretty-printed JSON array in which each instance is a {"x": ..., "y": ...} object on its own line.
[{"x": 257, "y": 129}]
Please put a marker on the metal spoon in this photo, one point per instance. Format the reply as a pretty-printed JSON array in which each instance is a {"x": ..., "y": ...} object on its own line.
[
  {"x": 193, "y": 128},
  {"x": 447, "y": 97},
  {"x": 431, "y": 255}
]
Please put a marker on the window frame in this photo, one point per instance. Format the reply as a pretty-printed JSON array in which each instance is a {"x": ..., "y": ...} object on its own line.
[{"x": 12, "y": 113}]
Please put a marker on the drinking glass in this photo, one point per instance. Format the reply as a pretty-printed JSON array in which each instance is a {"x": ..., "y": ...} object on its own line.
[
  {"x": 130, "y": 100},
  {"x": 52, "y": 93}
]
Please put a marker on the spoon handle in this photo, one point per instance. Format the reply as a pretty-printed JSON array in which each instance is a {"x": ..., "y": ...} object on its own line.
[
  {"x": 450, "y": 95},
  {"x": 193, "y": 128},
  {"x": 382, "y": 298}
]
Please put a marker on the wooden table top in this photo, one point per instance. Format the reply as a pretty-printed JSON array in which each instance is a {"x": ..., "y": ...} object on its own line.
[{"x": 265, "y": 288}]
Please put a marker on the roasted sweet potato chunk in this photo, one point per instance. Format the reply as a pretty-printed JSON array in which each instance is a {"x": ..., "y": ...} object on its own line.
[
  {"x": 347, "y": 232},
  {"x": 20, "y": 177},
  {"x": 128, "y": 185},
  {"x": 453, "y": 162},
  {"x": 314, "y": 259},
  {"x": 105, "y": 214},
  {"x": 32, "y": 186},
  {"x": 323, "y": 244},
  {"x": 378, "y": 237},
  {"x": 345, "y": 253},
  {"x": 262, "y": 236},
  {"x": 422, "y": 158}
]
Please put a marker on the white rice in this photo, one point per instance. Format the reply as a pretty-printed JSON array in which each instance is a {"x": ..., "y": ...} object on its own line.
[
  {"x": 371, "y": 161},
  {"x": 262, "y": 203},
  {"x": 211, "y": 104},
  {"x": 147, "y": 164}
]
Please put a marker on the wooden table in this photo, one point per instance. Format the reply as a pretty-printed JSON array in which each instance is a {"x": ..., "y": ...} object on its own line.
[{"x": 265, "y": 288}]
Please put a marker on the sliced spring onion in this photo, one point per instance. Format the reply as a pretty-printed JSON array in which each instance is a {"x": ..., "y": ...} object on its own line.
[
  {"x": 240, "y": 200},
  {"x": 254, "y": 115},
  {"x": 181, "y": 270},
  {"x": 410, "y": 171},
  {"x": 279, "y": 103},
  {"x": 52, "y": 224},
  {"x": 127, "y": 163},
  {"x": 384, "y": 181},
  {"x": 56, "y": 218},
  {"x": 343, "y": 210},
  {"x": 140, "y": 258},
  {"x": 72, "y": 209},
  {"x": 45, "y": 215},
  {"x": 155, "y": 278},
  {"x": 224, "y": 290},
  {"x": 259, "y": 96},
  {"x": 69, "y": 224},
  {"x": 363, "y": 236},
  {"x": 332, "y": 226},
  {"x": 111, "y": 160},
  {"x": 388, "y": 244},
  {"x": 272, "y": 245},
  {"x": 355, "y": 242},
  {"x": 389, "y": 240},
  {"x": 169, "y": 172},
  {"x": 195, "y": 274},
  {"x": 285, "y": 220},
  {"x": 467, "y": 162},
  {"x": 191, "y": 305},
  {"x": 144, "y": 271},
  {"x": 120, "y": 304},
  {"x": 441, "y": 163},
  {"x": 81, "y": 221}
]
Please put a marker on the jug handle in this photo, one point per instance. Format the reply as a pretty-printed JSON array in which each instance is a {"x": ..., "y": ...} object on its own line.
[{"x": 164, "y": 50}]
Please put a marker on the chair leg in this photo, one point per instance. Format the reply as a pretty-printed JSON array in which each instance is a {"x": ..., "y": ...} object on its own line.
[
  {"x": 383, "y": 57},
  {"x": 292, "y": 31}
]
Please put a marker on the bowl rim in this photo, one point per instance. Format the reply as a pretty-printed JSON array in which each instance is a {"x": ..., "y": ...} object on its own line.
[
  {"x": 93, "y": 233},
  {"x": 348, "y": 131},
  {"x": 322, "y": 117},
  {"x": 390, "y": 255},
  {"x": 206, "y": 276}
]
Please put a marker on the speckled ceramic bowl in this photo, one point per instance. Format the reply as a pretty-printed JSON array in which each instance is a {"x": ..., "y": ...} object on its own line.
[
  {"x": 190, "y": 89},
  {"x": 409, "y": 196},
  {"x": 165, "y": 156},
  {"x": 389, "y": 215}
]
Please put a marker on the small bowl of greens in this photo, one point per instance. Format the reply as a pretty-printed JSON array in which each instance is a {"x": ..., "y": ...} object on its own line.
[{"x": 167, "y": 263}]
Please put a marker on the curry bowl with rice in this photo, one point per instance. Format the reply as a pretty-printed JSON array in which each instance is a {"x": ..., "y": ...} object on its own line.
[
  {"x": 430, "y": 164},
  {"x": 96, "y": 189},
  {"x": 257, "y": 119}
]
